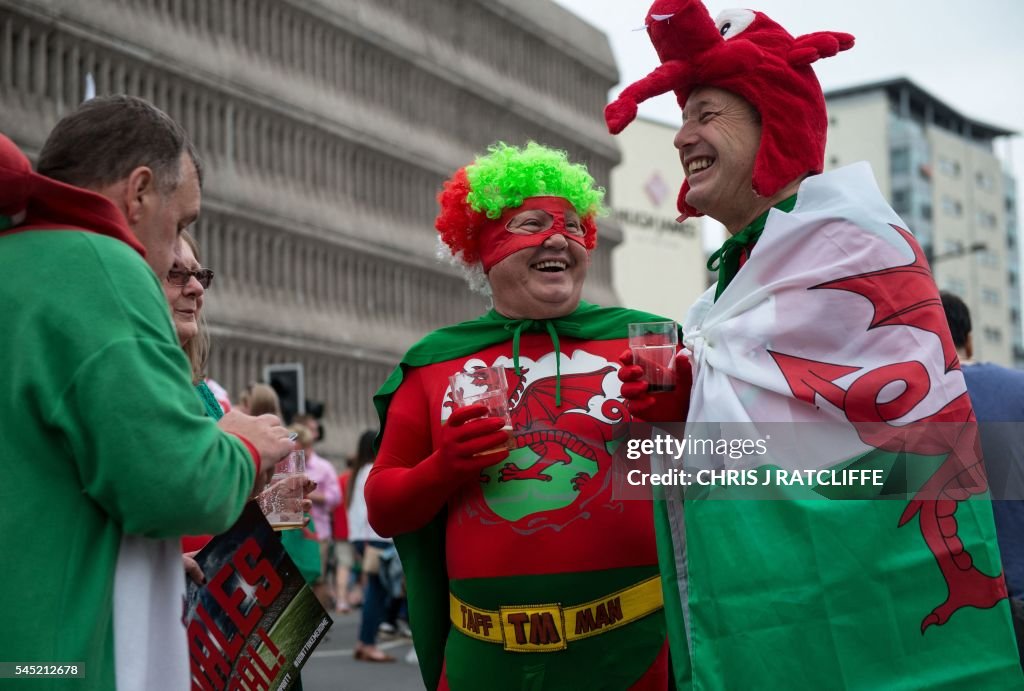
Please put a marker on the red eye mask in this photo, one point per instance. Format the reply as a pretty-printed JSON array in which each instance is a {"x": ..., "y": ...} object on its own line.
[{"x": 497, "y": 243}]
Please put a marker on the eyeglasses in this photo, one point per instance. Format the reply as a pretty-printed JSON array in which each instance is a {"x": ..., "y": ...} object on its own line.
[{"x": 180, "y": 277}]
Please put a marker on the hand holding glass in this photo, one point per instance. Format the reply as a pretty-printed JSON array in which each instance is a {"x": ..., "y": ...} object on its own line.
[
  {"x": 281, "y": 500},
  {"x": 654, "y": 346},
  {"x": 484, "y": 386}
]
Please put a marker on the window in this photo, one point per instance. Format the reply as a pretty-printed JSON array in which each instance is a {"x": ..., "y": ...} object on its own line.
[
  {"x": 955, "y": 286},
  {"x": 900, "y": 160},
  {"x": 952, "y": 207},
  {"x": 988, "y": 258},
  {"x": 901, "y": 201},
  {"x": 993, "y": 334},
  {"x": 985, "y": 219},
  {"x": 948, "y": 166},
  {"x": 990, "y": 296}
]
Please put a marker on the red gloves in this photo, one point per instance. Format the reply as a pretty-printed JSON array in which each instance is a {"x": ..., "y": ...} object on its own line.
[
  {"x": 470, "y": 442},
  {"x": 406, "y": 490},
  {"x": 662, "y": 406}
]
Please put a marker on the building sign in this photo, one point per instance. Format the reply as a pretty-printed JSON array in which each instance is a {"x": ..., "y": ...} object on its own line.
[{"x": 648, "y": 221}]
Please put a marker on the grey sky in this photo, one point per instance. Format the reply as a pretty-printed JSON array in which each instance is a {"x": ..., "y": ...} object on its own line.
[{"x": 969, "y": 53}]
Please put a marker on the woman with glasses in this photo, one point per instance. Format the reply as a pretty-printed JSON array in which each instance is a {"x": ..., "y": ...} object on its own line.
[{"x": 185, "y": 285}]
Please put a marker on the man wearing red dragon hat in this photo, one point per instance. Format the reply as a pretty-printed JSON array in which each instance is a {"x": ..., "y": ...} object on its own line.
[{"x": 825, "y": 318}]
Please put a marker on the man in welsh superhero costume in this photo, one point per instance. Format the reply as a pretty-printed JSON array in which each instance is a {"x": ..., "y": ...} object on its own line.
[
  {"x": 523, "y": 571},
  {"x": 825, "y": 327}
]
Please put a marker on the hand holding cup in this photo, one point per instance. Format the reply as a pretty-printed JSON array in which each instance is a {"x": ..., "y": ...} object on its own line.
[
  {"x": 653, "y": 347},
  {"x": 471, "y": 440},
  {"x": 282, "y": 500},
  {"x": 484, "y": 386}
]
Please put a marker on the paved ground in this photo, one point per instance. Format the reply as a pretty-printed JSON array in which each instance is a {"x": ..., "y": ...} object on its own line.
[{"x": 332, "y": 667}]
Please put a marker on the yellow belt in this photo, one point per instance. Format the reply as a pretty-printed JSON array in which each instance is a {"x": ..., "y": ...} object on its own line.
[{"x": 547, "y": 628}]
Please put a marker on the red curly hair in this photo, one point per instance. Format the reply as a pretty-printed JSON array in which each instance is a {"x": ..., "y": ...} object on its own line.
[{"x": 459, "y": 224}]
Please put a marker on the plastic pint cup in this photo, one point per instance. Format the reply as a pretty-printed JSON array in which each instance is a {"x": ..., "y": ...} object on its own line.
[
  {"x": 281, "y": 500},
  {"x": 654, "y": 346},
  {"x": 485, "y": 386}
]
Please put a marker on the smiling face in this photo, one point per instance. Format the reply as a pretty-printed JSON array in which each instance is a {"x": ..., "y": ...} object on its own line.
[
  {"x": 186, "y": 301},
  {"x": 544, "y": 281},
  {"x": 718, "y": 144}
]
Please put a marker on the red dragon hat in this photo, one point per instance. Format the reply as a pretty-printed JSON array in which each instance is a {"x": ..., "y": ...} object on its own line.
[{"x": 747, "y": 53}]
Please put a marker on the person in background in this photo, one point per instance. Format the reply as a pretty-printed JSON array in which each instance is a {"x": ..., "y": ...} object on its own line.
[
  {"x": 325, "y": 498},
  {"x": 367, "y": 545},
  {"x": 343, "y": 555},
  {"x": 258, "y": 396},
  {"x": 110, "y": 458},
  {"x": 364, "y": 456},
  {"x": 302, "y": 545},
  {"x": 997, "y": 394}
]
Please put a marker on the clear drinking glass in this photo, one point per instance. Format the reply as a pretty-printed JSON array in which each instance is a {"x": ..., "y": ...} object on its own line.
[
  {"x": 281, "y": 500},
  {"x": 486, "y": 386},
  {"x": 654, "y": 346}
]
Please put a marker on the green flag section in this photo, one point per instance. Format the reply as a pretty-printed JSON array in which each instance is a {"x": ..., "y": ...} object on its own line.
[
  {"x": 808, "y": 587},
  {"x": 815, "y": 594}
]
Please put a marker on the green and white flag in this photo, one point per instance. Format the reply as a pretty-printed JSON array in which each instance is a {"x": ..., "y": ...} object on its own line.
[{"x": 834, "y": 326}]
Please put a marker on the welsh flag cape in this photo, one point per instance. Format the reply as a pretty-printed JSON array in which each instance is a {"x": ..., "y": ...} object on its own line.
[
  {"x": 422, "y": 551},
  {"x": 834, "y": 318}
]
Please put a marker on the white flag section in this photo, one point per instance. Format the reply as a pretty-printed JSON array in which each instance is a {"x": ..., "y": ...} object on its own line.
[{"x": 833, "y": 292}]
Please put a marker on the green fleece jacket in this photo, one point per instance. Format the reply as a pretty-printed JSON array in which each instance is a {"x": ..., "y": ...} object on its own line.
[{"x": 103, "y": 436}]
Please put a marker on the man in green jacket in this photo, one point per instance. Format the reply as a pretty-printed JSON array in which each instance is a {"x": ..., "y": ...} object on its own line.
[{"x": 108, "y": 456}]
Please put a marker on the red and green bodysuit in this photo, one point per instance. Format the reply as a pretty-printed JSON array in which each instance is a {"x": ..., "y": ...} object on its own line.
[{"x": 537, "y": 530}]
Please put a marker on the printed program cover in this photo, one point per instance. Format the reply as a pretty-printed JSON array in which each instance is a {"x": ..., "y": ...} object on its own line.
[{"x": 255, "y": 621}]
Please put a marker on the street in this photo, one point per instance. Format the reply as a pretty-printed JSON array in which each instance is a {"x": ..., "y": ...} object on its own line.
[{"x": 332, "y": 667}]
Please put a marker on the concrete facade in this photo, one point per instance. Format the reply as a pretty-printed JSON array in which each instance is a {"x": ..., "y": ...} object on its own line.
[
  {"x": 939, "y": 170},
  {"x": 326, "y": 129}
]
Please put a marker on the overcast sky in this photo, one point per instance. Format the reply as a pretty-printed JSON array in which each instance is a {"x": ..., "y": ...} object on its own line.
[{"x": 969, "y": 53}]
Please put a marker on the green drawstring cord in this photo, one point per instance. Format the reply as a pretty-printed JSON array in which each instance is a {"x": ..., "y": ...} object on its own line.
[
  {"x": 516, "y": 327},
  {"x": 726, "y": 260},
  {"x": 558, "y": 363}
]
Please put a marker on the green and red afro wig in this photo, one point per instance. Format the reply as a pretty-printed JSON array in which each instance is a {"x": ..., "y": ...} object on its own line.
[{"x": 504, "y": 179}]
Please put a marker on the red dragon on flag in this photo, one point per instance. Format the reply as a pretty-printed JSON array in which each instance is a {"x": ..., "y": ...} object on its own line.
[{"x": 906, "y": 295}]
